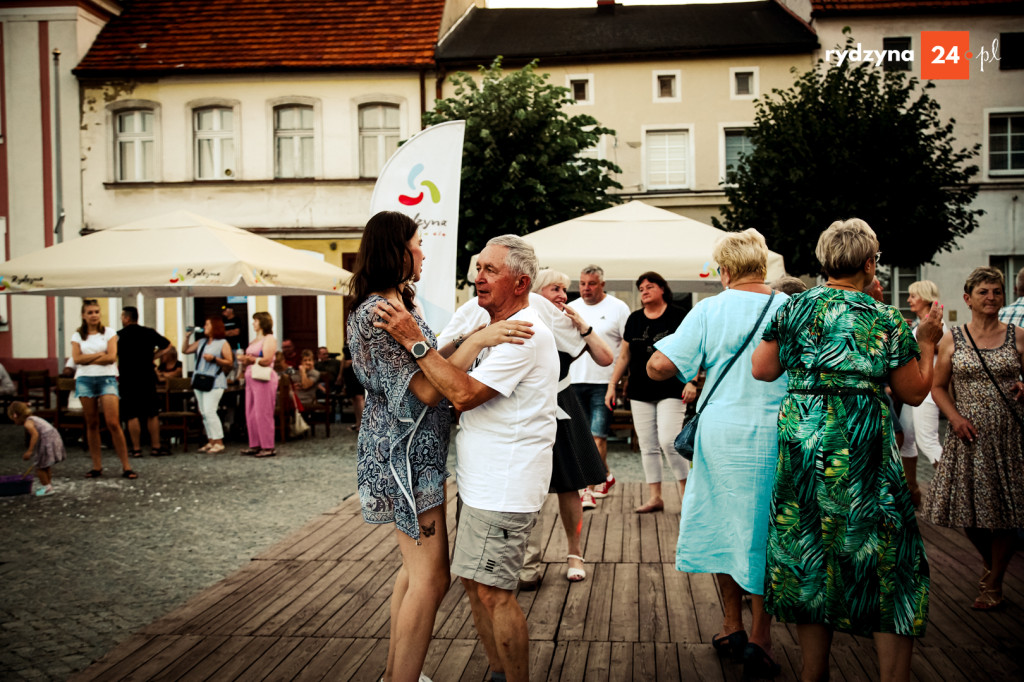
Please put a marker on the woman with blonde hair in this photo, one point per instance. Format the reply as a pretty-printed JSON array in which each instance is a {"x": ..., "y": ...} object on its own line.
[
  {"x": 724, "y": 524},
  {"x": 980, "y": 485},
  {"x": 260, "y": 390},
  {"x": 921, "y": 423},
  {"x": 844, "y": 549},
  {"x": 94, "y": 350}
]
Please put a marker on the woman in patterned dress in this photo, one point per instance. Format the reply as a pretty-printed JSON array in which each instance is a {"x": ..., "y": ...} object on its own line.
[
  {"x": 980, "y": 484},
  {"x": 403, "y": 437},
  {"x": 844, "y": 550}
]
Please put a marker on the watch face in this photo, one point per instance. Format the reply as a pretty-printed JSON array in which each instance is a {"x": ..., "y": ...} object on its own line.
[{"x": 419, "y": 349}]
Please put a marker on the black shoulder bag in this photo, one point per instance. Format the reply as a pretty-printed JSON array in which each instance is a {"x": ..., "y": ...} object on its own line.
[
  {"x": 1009, "y": 405},
  {"x": 687, "y": 437},
  {"x": 202, "y": 382}
]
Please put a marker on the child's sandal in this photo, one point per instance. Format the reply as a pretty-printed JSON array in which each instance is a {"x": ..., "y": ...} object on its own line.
[{"x": 94, "y": 473}]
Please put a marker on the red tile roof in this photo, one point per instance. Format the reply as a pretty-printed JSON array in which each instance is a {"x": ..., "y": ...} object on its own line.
[
  {"x": 827, "y": 7},
  {"x": 159, "y": 37}
]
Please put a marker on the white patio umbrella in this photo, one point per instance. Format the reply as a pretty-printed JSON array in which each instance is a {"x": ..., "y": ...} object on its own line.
[
  {"x": 171, "y": 255},
  {"x": 632, "y": 238}
]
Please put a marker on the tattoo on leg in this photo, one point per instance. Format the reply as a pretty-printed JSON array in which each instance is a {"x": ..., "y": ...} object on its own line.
[{"x": 428, "y": 530}]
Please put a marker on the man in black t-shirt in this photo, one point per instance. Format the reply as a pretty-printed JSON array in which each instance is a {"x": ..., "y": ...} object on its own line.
[
  {"x": 137, "y": 348},
  {"x": 236, "y": 333}
]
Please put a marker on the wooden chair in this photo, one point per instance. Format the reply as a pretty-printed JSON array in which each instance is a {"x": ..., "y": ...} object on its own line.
[
  {"x": 284, "y": 408},
  {"x": 69, "y": 419},
  {"x": 179, "y": 412},
  {"x": 35, "y": 388},
  {"x": 320, "y": 412}
]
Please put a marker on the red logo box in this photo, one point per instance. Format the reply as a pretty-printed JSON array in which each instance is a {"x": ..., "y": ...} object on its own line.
[{"x": 946, "y": 55}]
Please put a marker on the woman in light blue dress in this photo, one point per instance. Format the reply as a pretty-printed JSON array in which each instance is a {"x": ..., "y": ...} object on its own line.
[{"x": 724, "y": 525}]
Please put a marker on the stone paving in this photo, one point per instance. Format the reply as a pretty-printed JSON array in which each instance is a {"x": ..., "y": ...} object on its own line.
[{"x": 86, "y": 567}]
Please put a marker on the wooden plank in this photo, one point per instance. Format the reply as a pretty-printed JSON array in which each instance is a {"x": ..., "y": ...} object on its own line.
[
  {"x": 287, "y": 602},
  {"x": 203, "y": 647},
  {"x": 573, "y": 619},
  {"x": 124, "y": 667},
  {"x": 668, "y": 537},
  {"x": 284, "y": 548},
  {"x": 354, "y": 603},
  {"x": 303, "y": 651},
  {"x": 113, "y": 657},
  {"x": 372, "y": 665},
  {"x": 546, "y": 613},
  {"x": 625, "y": 617},
  {"x": 706, "y": 604},
  {"x": 650, "y": 549},
  {"x": 245, "y": 601},
  {"x": 574, "y": 667},
  {"x": 179, "y": 646},
  {"x": 541, "y": 654},
  {"x": 435, "y": 654},
  {"x": 345, "y": 589},
  {"x": 476, "y": 669},
  {"x": 279, "y": 651},
  {"x": 654, "y": 625},
  {"x": 233, "y": 620},
  {"x": 367, "y": 618},
  {"x": 326, "y": 658},
  {"x": 620, "y": 664},
  {"x": 453, "y": 612},
  {"x": 631, "y": 539},
  {"x": 455, "y": 660},
  {"x": 209, "y": 667},
  {"x": 682, "y": 618},
  {"x": 599, "y": 610},
  {"x": 245, "y": 656},
  {"x": 555, "y": 670},
  {"x": 287, "y": 621},
  {"x": 598, "y": 661},
  {"x": 666, "y": 659},
  {"x": 705, "y": 661},
  {"x": 592, "y": 537},
  {"x": 645, "y": 666},
  {"x": 345, "y": 529}
]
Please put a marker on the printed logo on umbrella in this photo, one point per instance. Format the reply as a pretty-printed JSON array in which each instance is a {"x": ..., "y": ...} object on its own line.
[
  {"x": 3, "y": 283},
  {"x": 174, "y": 277},
  {"x": 435, "y": 193},
  {"x": 708, "y": 271}
]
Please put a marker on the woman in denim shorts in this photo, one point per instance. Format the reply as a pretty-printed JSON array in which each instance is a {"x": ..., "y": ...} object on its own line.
[{"x": 94, "y": 350}]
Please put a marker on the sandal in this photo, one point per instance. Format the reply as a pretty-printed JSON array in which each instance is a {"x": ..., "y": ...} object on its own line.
[
  {"x": 206, "y": 448},
  {"x": 129, "y": 473},
  {"x": 984, "y": 577},
  {"x": 215, "y": 448},
  {"x": 94, "y": 473},
  {"x": 135, "y": 453},
  {"x": 160, "y": 452},
  {"x": 265, "y": 453},
  {"x": 758, "y": 664},
  {"x": 575, "y": 575},
  {"x": 249, "y": 451},
  {"x": 989, "y": 600},
  {"x": 730, "y": 646}
]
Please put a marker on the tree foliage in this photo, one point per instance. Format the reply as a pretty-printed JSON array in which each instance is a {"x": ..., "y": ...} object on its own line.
[
  {"x": 853, "y": 141},
  {"x": 521, "y": 164}
]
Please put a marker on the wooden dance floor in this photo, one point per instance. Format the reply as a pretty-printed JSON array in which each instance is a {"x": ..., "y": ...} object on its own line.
[{"x": 315, "y": 606}]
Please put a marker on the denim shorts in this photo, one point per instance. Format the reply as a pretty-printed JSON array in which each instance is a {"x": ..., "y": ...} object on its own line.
[
  {"x": 591, "y": 397},
  {"x": 490, "y": 546},
  {"x": 94, "y": 387}
]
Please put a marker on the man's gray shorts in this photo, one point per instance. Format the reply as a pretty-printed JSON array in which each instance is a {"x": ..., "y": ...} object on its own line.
[{"x": 490, "y": 546}]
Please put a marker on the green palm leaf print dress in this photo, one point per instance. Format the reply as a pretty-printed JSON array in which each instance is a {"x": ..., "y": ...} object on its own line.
[{"x": 844, "y": 549}]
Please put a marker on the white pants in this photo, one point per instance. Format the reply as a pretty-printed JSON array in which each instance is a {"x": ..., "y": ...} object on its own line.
[
  {"x": 921, "y": 432},
  {"x": 657, "y": 425},
  {"x": 208, "y": 402}
]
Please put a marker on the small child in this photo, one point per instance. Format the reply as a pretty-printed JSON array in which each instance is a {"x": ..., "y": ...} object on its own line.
[{"x": 44, "y": 444}]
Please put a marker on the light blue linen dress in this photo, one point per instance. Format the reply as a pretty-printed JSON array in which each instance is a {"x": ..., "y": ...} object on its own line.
[{"x": 724, "y": 524}]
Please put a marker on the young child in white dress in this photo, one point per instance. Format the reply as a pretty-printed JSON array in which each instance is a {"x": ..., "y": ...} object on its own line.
[{"x": 45, "y": 446}]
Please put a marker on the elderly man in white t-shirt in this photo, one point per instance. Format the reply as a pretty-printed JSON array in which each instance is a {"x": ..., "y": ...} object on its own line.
[{"x": 507, "y": 430}]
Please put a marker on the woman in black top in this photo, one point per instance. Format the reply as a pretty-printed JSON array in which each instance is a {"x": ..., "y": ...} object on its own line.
[{"x": 657, "y": 406}]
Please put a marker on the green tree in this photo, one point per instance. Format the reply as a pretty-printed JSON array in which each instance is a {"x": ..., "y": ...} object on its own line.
[
  {"x": 853, "y": 141},
  {"x": 521, "y": 164}
]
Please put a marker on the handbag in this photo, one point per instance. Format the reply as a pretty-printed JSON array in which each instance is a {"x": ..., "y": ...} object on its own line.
[
  {"x": 261, "y": 372},
  {"x": 686, "y": 439},
  {"x": 1009, "y": 405},
  {"x": 200, "y": 381},
  {"x": 299, "y": 425}
]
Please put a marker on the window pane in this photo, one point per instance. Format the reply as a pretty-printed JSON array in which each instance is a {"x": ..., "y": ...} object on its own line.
[
  {"x": 204, "y": 159},
  {"x": 370, "y": 117},
  {"x": 307, "y": 117},
  {"x": 579, "y": 90},
  {"x": 227, "y": 157},
  {"x": 285, "y": 158},
  {"x": 391, "y": 117},
  {"x": 666, "y": 86},
  {"x": 369, "y": 165},
  {"x": 147, "y": 120},
  {"x": 146, "y": 172},
  {"x": 126, "y": 122},
  {"x": 126, "y": 151},
  {"x": 999, "y": 161},
  {"x": 307, "y": 156},
  {"x": 1016, "y": 123},
  {"x": 227, "y": 118},
  {"x": 667, "y": 154},
  {"x": 744, "y": 83},
  {"x": 997, "y": 125},
  {"x": 204, "y": 119}
]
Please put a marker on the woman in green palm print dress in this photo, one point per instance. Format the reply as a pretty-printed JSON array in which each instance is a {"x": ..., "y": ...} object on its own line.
[{"x": 844, "y": 550}]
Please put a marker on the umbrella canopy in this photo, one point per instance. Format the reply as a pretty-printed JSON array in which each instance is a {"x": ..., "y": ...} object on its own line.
[
  {"x": 633, "y": 238},
  {"x": 176, "y": 254}
]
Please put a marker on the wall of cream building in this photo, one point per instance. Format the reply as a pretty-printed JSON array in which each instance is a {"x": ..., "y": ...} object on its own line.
[
  {"x": 31, "y": 32},
  {"x": 338, "y": 197},
  {"x": 1001, "y": 229}
]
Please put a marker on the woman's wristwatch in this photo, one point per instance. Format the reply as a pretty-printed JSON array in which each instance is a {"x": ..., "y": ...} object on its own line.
[
  {"x": 587, "y": 333},
  {"x": 419, "y": 349}
]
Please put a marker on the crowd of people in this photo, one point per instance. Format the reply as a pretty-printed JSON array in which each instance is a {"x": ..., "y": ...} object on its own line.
[
  {"x": 802, "y": 492},
  {"x": 811, "y": 405}
]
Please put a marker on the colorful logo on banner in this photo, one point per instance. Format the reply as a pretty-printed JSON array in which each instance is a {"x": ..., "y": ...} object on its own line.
[
  {"x": 435, "y": 193},
  {"x": 174, "y": 277}
]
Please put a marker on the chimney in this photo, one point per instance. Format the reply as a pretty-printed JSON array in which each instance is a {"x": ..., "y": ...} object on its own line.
[{"x": 606, "y": 6}]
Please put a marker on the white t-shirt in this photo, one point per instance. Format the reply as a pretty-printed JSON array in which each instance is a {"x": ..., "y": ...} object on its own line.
[
  {"x": 95, "y": 343},
  {"x": 470, "y": 315},
  {"x": 504, "y": 445},
  {"x": 609, "y": 321}
]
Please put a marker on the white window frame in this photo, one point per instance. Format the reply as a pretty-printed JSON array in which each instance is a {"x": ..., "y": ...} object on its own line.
[
  {"x": 233, "y": 164},
  {"x": 379, "y": 137},
  {"x": 677, "y": 74},
  {"x": 689, "y": 129},
  {"x": 589, "y": 78},
  {"x": 296, "y": 101},
  {"x": 405, "y": 130},
  {"x": 599, "y": 150},
  {"x": 110, "y": 120},
  {"x": 997, "y": 174},
  {"x": 755, "y": 84},
  {"x": 722, "y": 128}
]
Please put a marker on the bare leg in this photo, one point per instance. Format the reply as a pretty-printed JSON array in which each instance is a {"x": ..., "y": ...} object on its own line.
[
  {"x": 358, "y": 403},
  {"x": 1003, "y": 549},
  {"x": 682, "y": 487},
  {"x": 44, "y": 476},
  {"x": 760, "y": 632},
  {"x": 153, "y": 425},
  {"x": 981, "y": 538},
  {"x": 910, "y": 472},
  {"x": 602, "y": 449},
  {"x": 571, "y": 511},
  {"x": 419, "y": 589},
  {"x": 815, "y": 643},
  {"x": 511, "y": 639},
  {"x": 112, "y": 415},
  {"x": 894, "y": 652},
  {"x": 732, "y": 594},
  {"x": 90, "y": 406},
  {"x": 134, "y": 431},
  {"x": 484, "y": 628}
]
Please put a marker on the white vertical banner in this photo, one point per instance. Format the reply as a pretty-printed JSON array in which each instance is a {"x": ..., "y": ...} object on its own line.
[{"x": 422, "y": 180}]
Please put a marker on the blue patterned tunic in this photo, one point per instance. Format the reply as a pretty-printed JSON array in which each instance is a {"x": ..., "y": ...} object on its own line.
[{"x": 403, "y": 444}]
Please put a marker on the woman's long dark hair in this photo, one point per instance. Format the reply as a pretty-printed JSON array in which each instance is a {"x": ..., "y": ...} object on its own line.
[{"x": 384, "y": 261}]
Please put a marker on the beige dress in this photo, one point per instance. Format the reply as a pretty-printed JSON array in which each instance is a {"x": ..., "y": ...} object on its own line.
[{"x": 981, "y": 484}]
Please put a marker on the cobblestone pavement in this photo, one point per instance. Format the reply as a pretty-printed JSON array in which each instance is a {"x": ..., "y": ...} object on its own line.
[{"x": 86, "y": 567}]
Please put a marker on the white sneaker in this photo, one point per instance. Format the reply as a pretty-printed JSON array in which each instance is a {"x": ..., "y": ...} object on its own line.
[
  {"x": 604, "y": 489},
  {"x": 587, "y": 500}
]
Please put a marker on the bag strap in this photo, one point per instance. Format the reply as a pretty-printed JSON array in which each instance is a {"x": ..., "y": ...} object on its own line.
[
  {"x": 750, "y": 336},
  {"x": 984, "y": 366}
]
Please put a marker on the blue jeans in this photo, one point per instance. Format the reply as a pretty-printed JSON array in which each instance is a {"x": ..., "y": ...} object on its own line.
[
  {"x": 94, "y": 387},
  {"x": 591, "y": 397}
]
